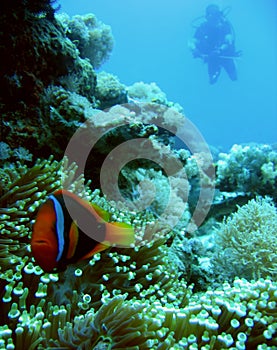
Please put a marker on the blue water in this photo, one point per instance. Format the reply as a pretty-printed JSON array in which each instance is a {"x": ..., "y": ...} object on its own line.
[{"x": 151, "y": 45}]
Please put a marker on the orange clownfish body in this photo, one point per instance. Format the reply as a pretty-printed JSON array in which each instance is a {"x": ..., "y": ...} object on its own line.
[{"x": 68, "y": 229}]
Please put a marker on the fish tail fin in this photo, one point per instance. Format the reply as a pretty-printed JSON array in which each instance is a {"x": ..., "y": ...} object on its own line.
[{"x": 119, "y": 234}]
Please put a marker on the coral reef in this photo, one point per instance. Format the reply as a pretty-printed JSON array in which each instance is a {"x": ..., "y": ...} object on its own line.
[{"x": 178, "y": 287}]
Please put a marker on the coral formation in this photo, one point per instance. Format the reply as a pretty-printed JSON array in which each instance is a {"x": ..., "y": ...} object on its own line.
[
  {"x": 36, "y": 54},
  {"x": 109, "y": 91},
  {"x": 124, "y": 122},
  {"x": 250, "y": 169},
  {"x": 143, "y": 92},
  {"x": 66, "y": 111},
  {"x": 248, "y": 236},
  {"x": 93, "y": 38},
  {"x": 5, "y": 151}
]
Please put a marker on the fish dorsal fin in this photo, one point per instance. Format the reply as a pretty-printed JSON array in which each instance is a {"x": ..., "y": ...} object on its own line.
[{"x": 103, "y": 215}]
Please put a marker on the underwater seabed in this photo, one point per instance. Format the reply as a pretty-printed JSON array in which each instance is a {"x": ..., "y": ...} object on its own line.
[{"x": 179, "y": 286}]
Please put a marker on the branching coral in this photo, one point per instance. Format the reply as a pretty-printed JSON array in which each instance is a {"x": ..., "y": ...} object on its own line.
[{"x": 248, "y": 237}]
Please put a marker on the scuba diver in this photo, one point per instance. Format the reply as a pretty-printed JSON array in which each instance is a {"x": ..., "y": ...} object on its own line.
[{"x": 214, "y": 42}]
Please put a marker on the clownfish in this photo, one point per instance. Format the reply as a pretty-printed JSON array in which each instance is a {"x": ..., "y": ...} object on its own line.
[{"x": 68, "y": 229}]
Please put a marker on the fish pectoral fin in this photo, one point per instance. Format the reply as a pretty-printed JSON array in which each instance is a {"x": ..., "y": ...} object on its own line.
[
  {"x": 99, "y": 248},
  {"x": 73, "y": 239}
]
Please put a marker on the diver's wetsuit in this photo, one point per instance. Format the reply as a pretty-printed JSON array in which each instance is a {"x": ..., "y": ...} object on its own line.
[{"x": 209, "y": 40}]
